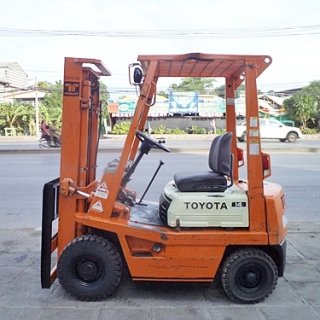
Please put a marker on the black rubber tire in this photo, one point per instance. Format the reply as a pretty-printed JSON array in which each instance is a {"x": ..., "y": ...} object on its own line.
[
  {"x": 282, "y": 140},
  {"x": 90, "y": 268},
  {"x": 292, "y": 137},
  {"x": 249, "y": 276}
]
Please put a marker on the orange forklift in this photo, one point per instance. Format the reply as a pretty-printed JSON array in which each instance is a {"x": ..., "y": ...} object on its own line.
[{"x": 209, "y": 224}]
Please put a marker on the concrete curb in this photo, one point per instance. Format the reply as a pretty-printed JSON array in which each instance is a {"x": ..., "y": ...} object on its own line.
[
  {"x": 201, "y": 149},
  {"x": 172, "y": 150},
  {"x": 8, "y": 145},
  {"x": 156, "y": 136}
]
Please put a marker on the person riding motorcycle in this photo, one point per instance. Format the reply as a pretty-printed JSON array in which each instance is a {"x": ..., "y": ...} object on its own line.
[
  {"x": 44, "y": 130},
  {"x": 50, "y": 133},
  {"x": 54, "y": 133}
]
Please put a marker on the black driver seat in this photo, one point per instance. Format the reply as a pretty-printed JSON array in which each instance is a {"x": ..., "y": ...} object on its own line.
[{"x": 220, "y": 162}]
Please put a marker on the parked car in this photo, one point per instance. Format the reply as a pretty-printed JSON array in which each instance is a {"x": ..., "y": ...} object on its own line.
[{"x": 271, "y": 129}]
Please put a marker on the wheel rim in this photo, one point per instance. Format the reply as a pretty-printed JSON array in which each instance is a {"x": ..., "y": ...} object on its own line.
[
  {"x": 251, "y": 278},
  {"x": 87, "y": 271}
]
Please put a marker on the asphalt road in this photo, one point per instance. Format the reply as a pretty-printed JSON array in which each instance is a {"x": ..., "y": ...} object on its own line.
[{"x": 22, "y": 177}]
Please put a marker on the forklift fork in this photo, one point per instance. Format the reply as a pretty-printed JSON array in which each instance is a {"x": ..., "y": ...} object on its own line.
[{"x": 49, "y": 242}]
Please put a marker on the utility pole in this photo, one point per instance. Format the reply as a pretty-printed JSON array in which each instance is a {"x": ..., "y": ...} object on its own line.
[{"x": 36, "y": 105}]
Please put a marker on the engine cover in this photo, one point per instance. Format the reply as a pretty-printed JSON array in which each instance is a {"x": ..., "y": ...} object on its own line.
[{"x": 204, "y": 209}]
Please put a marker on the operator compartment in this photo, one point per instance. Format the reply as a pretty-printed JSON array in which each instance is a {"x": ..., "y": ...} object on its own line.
[
  {"x": 204, "y": 209},
  {"x": 206, "y": 198}
]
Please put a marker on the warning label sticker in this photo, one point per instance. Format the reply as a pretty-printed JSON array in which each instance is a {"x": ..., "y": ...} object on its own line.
[
  {"x": 230, "y": 101},
  {"x": 102, "y": 191},
  {"x": 98, "y": 206},
  {"x": 254, "y": 147},
  {"x": 71, "y": 88},
  {"x": 253, "y": 122}
]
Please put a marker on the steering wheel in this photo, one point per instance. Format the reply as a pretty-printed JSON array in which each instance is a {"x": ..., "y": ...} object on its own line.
[{"x": 152, "y": 143}]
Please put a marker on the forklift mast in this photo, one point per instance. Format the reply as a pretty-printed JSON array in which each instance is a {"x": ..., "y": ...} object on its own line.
[{"x": 80, "y": 136}]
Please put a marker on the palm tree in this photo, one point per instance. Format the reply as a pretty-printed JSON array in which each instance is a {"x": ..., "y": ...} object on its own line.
[
  {"x": 17, "y": 116},
  {"x": 10, "y": 115},
  {"x": 28, "y": 118}
]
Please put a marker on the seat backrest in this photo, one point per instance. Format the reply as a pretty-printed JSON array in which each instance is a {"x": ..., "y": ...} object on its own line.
[{"x": 220, "y": 160}]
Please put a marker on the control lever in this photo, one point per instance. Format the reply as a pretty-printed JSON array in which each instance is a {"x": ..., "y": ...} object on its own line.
[{"x": 153, "y": 177}]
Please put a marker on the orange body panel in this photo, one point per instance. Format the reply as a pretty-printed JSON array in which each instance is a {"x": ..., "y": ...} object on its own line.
[
  {"x": 187, "y": 254},
  {"x": 275, "y": 206}
]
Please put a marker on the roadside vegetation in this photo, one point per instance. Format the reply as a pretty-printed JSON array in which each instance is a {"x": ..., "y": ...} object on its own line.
[
  {"x": 303, "y": 108},
  {"x": 123, "y": 128}
]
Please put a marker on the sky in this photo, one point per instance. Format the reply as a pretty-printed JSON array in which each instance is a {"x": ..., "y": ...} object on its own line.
[{"x": 36, "y": 34}]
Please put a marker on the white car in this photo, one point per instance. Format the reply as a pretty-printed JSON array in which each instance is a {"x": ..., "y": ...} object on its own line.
[{"x": 271, "y": 129}]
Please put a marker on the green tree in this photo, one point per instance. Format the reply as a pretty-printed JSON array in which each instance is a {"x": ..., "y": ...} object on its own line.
[
  {"x": 300, "y": 107},
  {"x": 28, "y": 119},
  {"x": 201, "y": 85},
  {"x": 10, "y": 113},
  {"x": 104, "y": 97},
  {"x": 17, "y": 115},
  {"x": 304, "y": 106},
  {"x": 313, "y": 89},
  {"x": 44, "y": 85},
  {"x": 221, "y": 91},
  {"x": 52, "y": 101},
  {"x": 163, "y": 94},
  {"x": 103, "y": 92}
]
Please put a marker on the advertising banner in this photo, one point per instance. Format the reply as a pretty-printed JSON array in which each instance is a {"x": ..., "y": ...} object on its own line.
[{"x": 180, "y": 103}]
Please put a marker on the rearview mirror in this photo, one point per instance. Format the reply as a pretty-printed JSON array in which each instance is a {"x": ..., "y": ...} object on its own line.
[{"x": 135, "y": 74}]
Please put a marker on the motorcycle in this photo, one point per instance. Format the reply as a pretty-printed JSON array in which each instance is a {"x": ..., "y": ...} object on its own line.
[{"x": 45, "y": 142}]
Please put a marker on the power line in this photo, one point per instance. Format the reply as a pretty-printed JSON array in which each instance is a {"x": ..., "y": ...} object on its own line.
[{"x": 256, "y": 32}]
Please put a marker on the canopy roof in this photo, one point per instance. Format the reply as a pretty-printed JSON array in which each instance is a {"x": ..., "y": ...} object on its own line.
[{"x": 204, "y": 65}]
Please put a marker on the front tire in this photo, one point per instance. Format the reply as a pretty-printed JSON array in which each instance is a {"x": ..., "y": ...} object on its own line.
[
  {"x": 90, "y": 268},
  {"x": 292, "y": 137},
  {"x": 249, "y": 276}
]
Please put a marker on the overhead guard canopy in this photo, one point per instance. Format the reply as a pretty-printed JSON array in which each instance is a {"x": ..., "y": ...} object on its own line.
[{"x": 204, "y": 65}]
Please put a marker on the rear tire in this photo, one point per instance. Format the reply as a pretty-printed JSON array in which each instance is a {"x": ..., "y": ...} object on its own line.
[
  {"x": 43, "y": 143},
  {"x": 90, "y": 268},
  {"x": 249, "y": 276}
]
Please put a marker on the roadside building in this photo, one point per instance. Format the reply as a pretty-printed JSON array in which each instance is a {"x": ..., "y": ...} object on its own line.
[
  {"x": 12, "y": 76},
  {"x": 23, "y": 96},
  {"x": 14, "y": 89}
]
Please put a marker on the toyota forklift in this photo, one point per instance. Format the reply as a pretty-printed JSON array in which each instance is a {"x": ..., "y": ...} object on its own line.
[{"x": 209, "y": 224}]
